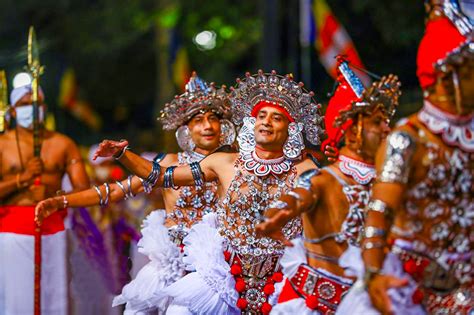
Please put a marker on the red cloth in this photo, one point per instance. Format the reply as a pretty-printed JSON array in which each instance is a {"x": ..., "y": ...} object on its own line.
[
  {"x": 287, "y": 293},
  {"x": 20, "y": 220},
  {"x": 441, "y": 37},
  {"x": 342, "y": 99},
  {"x": 262, "y": 104}
]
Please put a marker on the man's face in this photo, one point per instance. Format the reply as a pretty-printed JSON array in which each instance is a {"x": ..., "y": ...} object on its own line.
[
  {"x": 205, "y": 130},
  {"x": 375, "y": 129},
  {"x": 271, "y": 128},
  {"x": 23, "y": 110}
]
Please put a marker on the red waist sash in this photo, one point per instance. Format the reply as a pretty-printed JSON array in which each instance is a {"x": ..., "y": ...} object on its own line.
[
  {"x": 21, "y": 220},
  {"x": 322, "y": 292}
]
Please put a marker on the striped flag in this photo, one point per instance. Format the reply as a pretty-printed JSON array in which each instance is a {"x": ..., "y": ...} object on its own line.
[
  {"x": 69, "y": 100},
  {"x": 179, "y": 70},
  {"x": 321, "y": 29}
]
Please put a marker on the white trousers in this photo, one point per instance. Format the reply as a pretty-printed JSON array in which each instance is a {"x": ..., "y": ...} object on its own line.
[{"x": 17, "y": 274}]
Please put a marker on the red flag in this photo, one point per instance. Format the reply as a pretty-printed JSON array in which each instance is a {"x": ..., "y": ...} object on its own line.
[{"x": 331, "y": 39}]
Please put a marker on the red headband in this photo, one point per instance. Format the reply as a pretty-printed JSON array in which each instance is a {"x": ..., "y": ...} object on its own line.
[{"x": 262, "y": 104}]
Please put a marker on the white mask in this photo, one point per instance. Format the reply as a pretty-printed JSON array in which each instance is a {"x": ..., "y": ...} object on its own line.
[{"x": 24, "y": 115}]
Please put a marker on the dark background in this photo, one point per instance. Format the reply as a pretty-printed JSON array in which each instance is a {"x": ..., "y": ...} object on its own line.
[{"x": 120, "y": 52}]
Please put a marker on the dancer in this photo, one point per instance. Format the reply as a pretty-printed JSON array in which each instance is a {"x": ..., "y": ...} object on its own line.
[
  {"x": 233, "y": 270},
  {"x": 422, "y": 203},
  {"x": 331, "y": 201}
]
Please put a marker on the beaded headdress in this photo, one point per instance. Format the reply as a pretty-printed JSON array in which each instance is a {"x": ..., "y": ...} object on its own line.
[
  {"x": 281, "y": 91},
  {"x": 446, "y": 21},
  {"x": 351, "y": 98},
  {"x": 199, "y": 97}
]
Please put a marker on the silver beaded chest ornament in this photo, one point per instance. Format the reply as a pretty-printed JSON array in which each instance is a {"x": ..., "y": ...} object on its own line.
[
  {"x": 436, "y": 242},
  {"x": 193, "y": 201},
  {"x": 199, "y": 97},
  {"x": 258, "y": 182}
]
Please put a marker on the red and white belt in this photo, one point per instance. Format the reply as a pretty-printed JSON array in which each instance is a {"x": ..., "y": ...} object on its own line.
[{"x": 322, "y": 290}]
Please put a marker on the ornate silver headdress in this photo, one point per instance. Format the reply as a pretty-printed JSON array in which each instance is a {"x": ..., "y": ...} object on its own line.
[
  {"x": 198, "y": 97},
  {"x": 286, "y": 93}
]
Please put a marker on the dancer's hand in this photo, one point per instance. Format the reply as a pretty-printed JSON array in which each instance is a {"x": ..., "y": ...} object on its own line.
[
  {"x": 46, "y": 208},
  {"x": 273, "y": 226},
  {"x": 377, "y": 289},
  {"x": 110, "y": 148},
  {"x": 332, "y": 153}
]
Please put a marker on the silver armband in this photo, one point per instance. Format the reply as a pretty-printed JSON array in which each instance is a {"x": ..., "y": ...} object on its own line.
[
  {"x": 107, "y": 194},
  {"x": 379, "y": 206},
  {"x": 295, "y": 195},
  {"x": 370, "y": 245},
  {"x": 372, "y": 231},
  {"x": 159, "y": 157},
  {"x": 122, "y": 187},
  {"x": 129, "y": 182},
  {"x": 197, "y": 173},
  {"x": 150, "y": 181},
  {"x": 168, "y": 181},
  {"x": 122, "y": 152},
  {"x": 278, "y": 204},
  {"x": 103, "y": 201},
  {"x": 398, "y": 155},
  {"x": 304, "y": 181}
]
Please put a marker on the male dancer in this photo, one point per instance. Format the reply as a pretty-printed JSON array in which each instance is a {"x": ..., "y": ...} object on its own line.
[
  {"x": 200, "y": 118},
  {"x": 423, "y": 198},
  {"x": 19, "y": 194},
  {"x": 331, "y": 201},
  {"x": 274, "y": 111}
]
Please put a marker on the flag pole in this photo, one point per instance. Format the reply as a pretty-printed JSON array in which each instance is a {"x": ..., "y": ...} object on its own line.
[
  {"x": 3, "y": 100},
  {"x": 35, "y": 69}
]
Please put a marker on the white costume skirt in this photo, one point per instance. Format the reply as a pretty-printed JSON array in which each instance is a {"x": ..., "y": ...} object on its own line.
[
  {"x": 210, "y": 289},
  {"x": 357, "y": 300},
  {"x": 144, "y": 294}
]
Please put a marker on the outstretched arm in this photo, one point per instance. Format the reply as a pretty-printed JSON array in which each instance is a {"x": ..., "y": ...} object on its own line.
[
  {"x": 98, "y": 195},
  {"x": 155, "y": 176},
  {"x": 182, "y": 176},
  {"x": 290, "y": 206}
]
